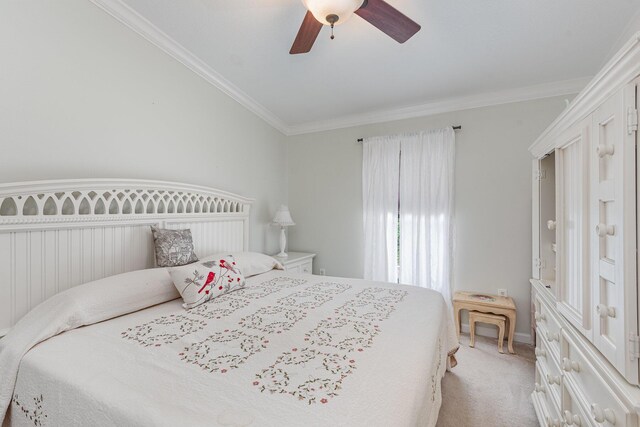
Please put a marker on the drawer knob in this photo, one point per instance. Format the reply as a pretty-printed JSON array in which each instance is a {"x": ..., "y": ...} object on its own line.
[
  {"x": 540, "y": 352},
  {"x": 539, "y": 317},
  {"x": 604, "y": 150},
  {"x": 553, "y": 336},
  {"x": 551, "y": 224},
  {"x": 569, "y": 365},
  {"x": 553, "y": 379},
  {"x": 553, "y": 423},
  {"x": 540, "y": 388},
  {"x": 571, "y": 419},
  {"x": 604, "y": 230},
  {"x": 602, "y": 415},
  {"x": 605, "y": 311}
]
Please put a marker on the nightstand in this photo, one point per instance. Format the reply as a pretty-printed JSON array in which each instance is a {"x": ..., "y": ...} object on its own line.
[{"x": 297, "y": 262}]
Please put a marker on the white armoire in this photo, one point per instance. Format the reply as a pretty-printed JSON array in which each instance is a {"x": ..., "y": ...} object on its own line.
[{"x": 585, "y": 257}]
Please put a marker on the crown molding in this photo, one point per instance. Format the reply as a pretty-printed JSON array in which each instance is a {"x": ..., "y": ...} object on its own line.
[
  {"x": 619, "y": 71},
  {"x": 547, "y": 90},
  {"x": 132, "y": 19},
  {"x": 139, "y": 24}
]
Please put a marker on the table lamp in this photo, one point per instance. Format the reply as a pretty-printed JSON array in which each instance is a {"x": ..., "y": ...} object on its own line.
[{"x": 283, "y": 219}]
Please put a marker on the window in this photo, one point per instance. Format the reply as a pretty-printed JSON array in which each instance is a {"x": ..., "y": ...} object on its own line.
[{"x": 408, "y": 208}]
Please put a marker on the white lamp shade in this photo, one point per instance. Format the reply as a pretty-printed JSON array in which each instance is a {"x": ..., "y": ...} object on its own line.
[
  {"x": 323, "y": 8},
  {"x": 283, "y": 217}
]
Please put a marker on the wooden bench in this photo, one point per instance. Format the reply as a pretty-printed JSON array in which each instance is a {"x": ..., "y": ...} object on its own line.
[
  {"x": 492, "y": 319},
  {"x": 483, "y": 303}
]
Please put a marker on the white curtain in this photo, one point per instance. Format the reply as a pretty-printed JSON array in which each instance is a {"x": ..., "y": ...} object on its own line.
[
  {"x": 426, "y": 209},
  {"x": 380, "y": 180}
]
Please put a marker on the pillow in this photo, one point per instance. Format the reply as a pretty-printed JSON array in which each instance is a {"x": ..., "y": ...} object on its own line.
[
  {"x": 202, "y": 281},
  {"x": 173, "y": 247},
  {"x": 252, "y": 263}
]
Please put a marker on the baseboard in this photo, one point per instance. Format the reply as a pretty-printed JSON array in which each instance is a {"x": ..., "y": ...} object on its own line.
[{"x": 492, "y": 332}]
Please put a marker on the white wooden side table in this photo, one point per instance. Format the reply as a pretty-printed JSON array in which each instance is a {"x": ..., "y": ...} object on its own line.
[{"x": 297, "y": 262}]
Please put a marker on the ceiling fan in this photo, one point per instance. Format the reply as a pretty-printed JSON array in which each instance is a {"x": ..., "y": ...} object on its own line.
[{"x": 378, "y": 13}]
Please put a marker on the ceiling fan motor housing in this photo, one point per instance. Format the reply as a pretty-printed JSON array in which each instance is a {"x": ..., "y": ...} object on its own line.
[
  {"x": 378, "y": 13},
  {"x": 338, "y": 11},
  {"x": 332, "y": 19}
]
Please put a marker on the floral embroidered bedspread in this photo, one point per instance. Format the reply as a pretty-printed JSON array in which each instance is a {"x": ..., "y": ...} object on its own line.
[{"x": 287, "y": 350}]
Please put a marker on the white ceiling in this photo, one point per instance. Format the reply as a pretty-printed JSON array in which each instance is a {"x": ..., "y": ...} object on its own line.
[{"x": 465, "y": 48}]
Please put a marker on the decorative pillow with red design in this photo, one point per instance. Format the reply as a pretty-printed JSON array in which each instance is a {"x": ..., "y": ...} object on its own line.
[{"x": 202, "y": 281}]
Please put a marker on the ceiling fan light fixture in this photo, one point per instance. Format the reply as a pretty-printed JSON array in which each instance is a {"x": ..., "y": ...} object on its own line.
[{"x": 323, "y": 9}]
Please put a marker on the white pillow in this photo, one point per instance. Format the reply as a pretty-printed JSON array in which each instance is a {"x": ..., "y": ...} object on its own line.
[
  {"x": 204, "y": 280},
  {"x": 251, "y": 263}
]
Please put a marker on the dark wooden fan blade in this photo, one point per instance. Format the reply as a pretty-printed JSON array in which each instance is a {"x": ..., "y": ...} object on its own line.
[
  {"x": 307, "y": 35},
  {"x": 388, "y": 19}
]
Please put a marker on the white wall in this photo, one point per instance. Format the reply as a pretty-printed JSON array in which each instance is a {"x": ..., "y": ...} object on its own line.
[
  {"x": 493, "y": 195},
  {"x": 629, "y": 31},
  {"x": 83, "y": 96}
]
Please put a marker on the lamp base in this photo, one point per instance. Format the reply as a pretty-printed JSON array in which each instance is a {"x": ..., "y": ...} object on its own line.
[
  {"x": 283, "y": 243},
  {"x": 282, "y": 255}
]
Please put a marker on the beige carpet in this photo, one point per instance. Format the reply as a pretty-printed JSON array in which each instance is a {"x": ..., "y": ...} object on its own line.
[{"x": 488, "y": 388}]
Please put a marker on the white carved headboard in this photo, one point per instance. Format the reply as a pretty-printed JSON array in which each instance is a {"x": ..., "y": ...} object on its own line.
[{"x": 59, "y": 234}]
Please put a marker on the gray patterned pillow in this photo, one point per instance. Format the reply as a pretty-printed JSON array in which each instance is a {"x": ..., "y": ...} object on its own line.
[{"x": 173, "y": 247}]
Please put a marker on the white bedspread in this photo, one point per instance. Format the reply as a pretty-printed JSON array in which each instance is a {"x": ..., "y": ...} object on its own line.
[{"x": 289, "y": 350}]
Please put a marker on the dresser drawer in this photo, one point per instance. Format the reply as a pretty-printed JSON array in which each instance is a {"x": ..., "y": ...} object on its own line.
[
  {"x": 293, "y": 268},
  {"x": 548, "y": 385},
  {"x": 547, "y": 408},
  {"x": 303, "y": 267},
  {"x": 604, "y": 408},
  {"x": 549, "y": 328},
  {"x": 553, "y": 418},
  {"x": 540, "y": 406},
  {"x": 545, "y": 403},
  {"x": 550, "y": 369},
  {"x": 306, "y": 268},
  {"x": 297, "y": 262},
  {"x": 573, "y": 411}
]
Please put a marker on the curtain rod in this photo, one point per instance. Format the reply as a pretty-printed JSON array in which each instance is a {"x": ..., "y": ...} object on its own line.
[{"x": 454, "y": 128}]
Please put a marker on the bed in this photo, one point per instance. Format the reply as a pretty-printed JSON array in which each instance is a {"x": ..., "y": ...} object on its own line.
[{"x": 288, "y": 349}]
